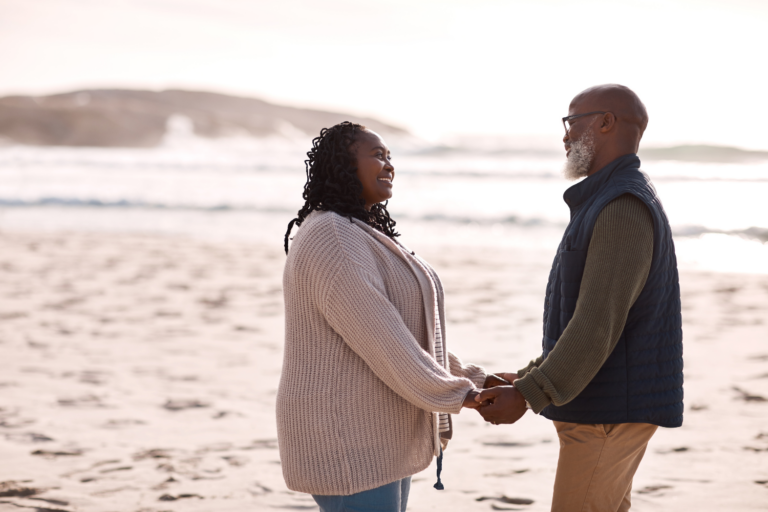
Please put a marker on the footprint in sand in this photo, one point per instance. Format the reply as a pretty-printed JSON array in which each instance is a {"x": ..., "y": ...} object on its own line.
[
  {"x": 653, "y": 489},
  {"x": 12, "y": 315},
  {"x": 261, "y": 444},
  {"x": 165, "y": 484},
  {"x": 28, "y": 437},
  {"x": 217, "y": 302},
  {"x": 259, "y": 490},
  {"x": 82, "y": 401},
  {"x": 154, "y": 453},
  {"x": 113, "y": 470},
  {"x": 89, "y": 468},
  {"x": 245, "y": 328},
  {"x": 679, "y": 449},
  {"x": 506, "y": 500},
  {"x": 511, "y": 472},
  {"x": 95, "y": 377},
  {"x": 748, "y": 397},
  {"x": 122, "y": 423},
  {"x": 52, "y": 454},
  {"x": 180, "y": 405},
  {"x": 36, "y": 345},
  {"x": 168, "y": 497},
  {"x": 12, "y": 488},
  {"x": 236, "y": 460},
  {"x": 9, "y": 418}
]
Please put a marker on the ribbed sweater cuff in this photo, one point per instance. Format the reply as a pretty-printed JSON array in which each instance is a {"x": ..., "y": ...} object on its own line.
[
  {"x": 476, "y": 374},
  {"x": 531, "y": 391},
  {"x": 534, "y": 363},
  {"x": 524, "y": 371}
]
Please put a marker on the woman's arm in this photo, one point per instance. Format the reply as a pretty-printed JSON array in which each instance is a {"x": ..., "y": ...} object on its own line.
[
  {"x": 357, "y": 308},
  {"x": 476, "y": 374}
]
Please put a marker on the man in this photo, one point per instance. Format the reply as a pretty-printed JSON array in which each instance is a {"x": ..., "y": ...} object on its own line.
[{"x": 611, "y": 370}]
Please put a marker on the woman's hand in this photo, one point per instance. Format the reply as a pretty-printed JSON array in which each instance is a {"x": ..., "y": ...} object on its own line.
[{"x": 469, "y": 400}]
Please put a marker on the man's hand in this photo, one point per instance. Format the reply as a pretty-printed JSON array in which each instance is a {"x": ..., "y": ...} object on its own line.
[
  {"x": 507, "y": 404},
  {"x": 499, "y": 379},
  {"x": 491, "y": 381}
]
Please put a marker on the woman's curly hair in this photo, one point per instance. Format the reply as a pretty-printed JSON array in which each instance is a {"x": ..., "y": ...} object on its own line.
[{"x": 332, "y": 182}]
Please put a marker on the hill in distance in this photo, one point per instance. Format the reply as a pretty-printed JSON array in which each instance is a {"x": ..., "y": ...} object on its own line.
[
  {"x": 703, "y": 153},
  {"x": 138, "y": 118}
]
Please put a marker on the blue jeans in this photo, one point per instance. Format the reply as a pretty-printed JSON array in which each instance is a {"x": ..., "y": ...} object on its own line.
[{"x": 387, "y": 498}]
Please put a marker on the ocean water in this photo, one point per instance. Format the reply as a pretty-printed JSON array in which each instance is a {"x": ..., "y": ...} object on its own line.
[{"x": 248, "y": 189}]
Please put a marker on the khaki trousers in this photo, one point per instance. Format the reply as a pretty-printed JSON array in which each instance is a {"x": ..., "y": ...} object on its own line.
[{"x": 597, "y": 464}]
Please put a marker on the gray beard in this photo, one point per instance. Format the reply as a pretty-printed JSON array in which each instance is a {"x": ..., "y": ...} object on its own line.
[{"x": 580, "y": 159}]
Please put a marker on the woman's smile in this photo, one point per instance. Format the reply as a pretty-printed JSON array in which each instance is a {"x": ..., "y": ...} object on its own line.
[{"x": 374, "y": 168}]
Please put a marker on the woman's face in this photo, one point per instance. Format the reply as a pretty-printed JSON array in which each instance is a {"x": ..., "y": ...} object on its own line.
[{"x": 374, "y": 168}]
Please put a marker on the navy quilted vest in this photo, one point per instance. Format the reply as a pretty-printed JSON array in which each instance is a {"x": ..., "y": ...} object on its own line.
[{"x": 642, "y": 379}]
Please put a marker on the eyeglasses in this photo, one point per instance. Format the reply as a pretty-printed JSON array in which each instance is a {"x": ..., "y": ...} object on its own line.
[{"x": 567, "y": 119}]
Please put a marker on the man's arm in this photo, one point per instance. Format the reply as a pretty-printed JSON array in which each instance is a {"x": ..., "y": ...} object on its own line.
[
  {"x": 618, "y": 260},
  {"x": 535, "y": 363},
  {"x": 616, "y": 269}
]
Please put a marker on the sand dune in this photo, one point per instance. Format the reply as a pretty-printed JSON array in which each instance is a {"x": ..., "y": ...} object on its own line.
[{"x": 139, "y": 374}]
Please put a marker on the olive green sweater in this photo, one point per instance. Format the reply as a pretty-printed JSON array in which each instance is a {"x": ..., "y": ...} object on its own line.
[{"x": 618, "y": 261}]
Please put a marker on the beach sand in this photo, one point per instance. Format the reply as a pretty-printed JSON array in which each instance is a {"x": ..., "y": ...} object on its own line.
[{"x": 138, "y": 373}]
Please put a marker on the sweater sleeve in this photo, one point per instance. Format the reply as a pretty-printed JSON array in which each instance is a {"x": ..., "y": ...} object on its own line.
[
  {"x": 616, "y": 269},
  {"x": 534, "y": 363},
  {"x": 357, "y": 308},
  {"x": 476, "y": 374}
]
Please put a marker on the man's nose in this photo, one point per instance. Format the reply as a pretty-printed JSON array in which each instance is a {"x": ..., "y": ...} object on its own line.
[{"x": 566, "y": 138}]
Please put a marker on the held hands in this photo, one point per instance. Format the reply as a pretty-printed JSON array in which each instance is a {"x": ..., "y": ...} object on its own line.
[
  {"x": 507, "y": 404},
  {"x": 490, "y": 381}
]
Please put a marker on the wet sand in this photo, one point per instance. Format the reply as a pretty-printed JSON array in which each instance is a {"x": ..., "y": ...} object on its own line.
[{"x": 138, "y": 373}]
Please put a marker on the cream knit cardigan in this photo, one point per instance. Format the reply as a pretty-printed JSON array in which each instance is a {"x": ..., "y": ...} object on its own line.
[{"x": 360, "y": 386}]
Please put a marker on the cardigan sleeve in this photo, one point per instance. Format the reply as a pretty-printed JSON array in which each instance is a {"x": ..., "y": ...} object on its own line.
[
  {"x": 476, "y": 374},
  {"x": 357, "y": 308}
]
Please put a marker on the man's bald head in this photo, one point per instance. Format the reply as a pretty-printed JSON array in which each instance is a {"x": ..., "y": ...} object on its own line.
[
  {"x": 599, "y": 139},
  {"x": 619, "y": 99}
]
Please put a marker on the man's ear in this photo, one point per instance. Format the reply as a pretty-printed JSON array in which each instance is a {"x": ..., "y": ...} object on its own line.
[{"x": 608, "y": 122}]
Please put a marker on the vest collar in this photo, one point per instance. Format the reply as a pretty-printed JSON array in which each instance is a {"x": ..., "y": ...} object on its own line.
[{"x": 580, "y": 192}]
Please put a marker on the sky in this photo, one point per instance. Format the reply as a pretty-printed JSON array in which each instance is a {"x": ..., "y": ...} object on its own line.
[{"x": 436, "y": 67}]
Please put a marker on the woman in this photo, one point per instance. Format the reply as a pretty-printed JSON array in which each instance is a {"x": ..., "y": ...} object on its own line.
[{"x": 366, "y": 386}]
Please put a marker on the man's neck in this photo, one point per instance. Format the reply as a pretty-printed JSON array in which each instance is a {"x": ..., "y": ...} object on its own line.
[{"x": 602, "y": 160}]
